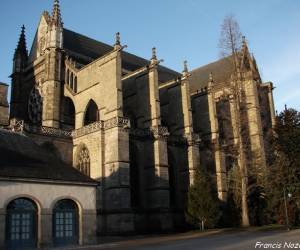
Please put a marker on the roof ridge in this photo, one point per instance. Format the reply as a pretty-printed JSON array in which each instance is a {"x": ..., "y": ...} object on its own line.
[
  {"x": 146, "y": 61},
  {"x": 90, "y": 38},
  {"x": 211, "y": 63}
]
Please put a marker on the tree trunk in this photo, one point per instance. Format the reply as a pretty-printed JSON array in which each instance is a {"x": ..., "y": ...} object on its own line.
[
  {"x": 242, "y": 166},
  {"x": 245, "y": 216},
  {"x": 243, "y": 169}
]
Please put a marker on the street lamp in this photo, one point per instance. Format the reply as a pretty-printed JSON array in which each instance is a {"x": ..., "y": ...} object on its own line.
[{"x": 285, "y": 208}]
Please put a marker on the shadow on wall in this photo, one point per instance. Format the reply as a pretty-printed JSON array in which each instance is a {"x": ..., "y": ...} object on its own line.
[{"x": 143, "y": 194}]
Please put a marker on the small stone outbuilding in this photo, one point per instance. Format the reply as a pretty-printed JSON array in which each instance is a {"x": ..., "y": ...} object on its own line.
[{"x": 43, "y": 201}]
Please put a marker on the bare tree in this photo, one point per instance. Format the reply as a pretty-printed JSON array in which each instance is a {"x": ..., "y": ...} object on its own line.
[
  {"x": 230, "y": 44},
  {"x": 231, "y": 37},
  {"x": 242, "y": 144}
]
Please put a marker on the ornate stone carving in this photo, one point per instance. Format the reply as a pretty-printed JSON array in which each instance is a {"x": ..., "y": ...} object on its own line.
[
  {"x": 49, "y": 131},
  {"x": 21, "y": 127},
  {"x": 159, "y": 132},
  {"x": 83, "y": 161},
  {"x": 16, "y": 125},
  {"x": 192, "y": 138},
  {"x": 93, "y": 127},
  {"x": 117, "y": 122}
]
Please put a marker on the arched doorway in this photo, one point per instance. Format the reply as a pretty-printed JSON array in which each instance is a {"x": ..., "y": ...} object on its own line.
[
  {"x": 21, "y": 224},
  {"x": 91, "y": 113},
  {"x": 65, "y": 222}
]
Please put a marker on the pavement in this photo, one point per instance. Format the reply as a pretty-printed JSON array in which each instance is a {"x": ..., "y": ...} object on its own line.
[{"x": 214, "y": 239}]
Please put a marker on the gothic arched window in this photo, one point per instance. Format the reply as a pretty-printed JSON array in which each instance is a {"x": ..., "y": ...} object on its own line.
[
  {"x": 67, "y": 77},
  {"x": 83, "y": 161},
  {"x": 91, "y": 113},
  {"x": 68, "y": 113},
  {"x": 72, "y": 81},
  {"x": 75, "y": 84}
]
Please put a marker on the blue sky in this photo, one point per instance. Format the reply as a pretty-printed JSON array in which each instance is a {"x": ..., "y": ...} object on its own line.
[{"x": 180, "y": 29}]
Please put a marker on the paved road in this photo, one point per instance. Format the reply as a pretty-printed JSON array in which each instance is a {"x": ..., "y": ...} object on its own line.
[{"x": 224, "y": 240}]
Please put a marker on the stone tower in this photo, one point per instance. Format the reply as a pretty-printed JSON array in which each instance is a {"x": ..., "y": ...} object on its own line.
[{"x": 50, "y": 45}]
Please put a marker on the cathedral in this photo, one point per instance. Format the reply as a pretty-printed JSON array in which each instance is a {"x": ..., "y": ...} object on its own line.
[{"x": 100, "y": 141}]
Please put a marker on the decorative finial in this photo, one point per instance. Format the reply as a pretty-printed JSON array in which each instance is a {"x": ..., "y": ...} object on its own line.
[
  {"x": 118, "y": 39},
  {"x": 153, "y": 54},
  {"x": 185, "y": 67}
]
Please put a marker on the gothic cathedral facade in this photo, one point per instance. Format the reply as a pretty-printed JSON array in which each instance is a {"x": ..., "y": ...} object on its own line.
[{"x": 138, "y": 128}]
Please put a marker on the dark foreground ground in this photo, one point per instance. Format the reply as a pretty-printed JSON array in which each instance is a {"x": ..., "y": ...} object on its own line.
[{"x": 228, "y": 239}]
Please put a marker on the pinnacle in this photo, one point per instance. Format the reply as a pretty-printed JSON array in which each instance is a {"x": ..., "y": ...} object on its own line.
[
  {"x": 56, "y": 16},
  {"x": 21, "y": 47},
  {"x": 153, "y": 54},
  {"x": 185, "y": 67},
  {"x": 118, "y": 39},
  {"x": 211, "y": 78}
]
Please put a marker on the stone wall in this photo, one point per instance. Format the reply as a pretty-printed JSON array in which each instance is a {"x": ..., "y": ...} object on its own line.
[{"x": 3, "y": 104}]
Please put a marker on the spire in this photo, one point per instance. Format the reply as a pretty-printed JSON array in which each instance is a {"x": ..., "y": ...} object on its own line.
[
  {"x": 56, "y": 17},
  {"x": 21, "y": 47}
]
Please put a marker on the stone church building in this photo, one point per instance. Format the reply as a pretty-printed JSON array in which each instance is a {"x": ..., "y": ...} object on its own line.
[{"x": 99, "y": 139}]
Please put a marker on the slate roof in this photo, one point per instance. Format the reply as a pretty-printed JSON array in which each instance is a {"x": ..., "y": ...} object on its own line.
[
  {"x": 75, "y": 43},
  {"x": 84, "y": 50},
  {"x": 221, "y": 70},
  {"x": 21, "y": 157}
]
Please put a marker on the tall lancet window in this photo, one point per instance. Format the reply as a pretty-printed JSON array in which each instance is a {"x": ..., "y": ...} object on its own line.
[
  {"x": 83, "y": 161},
  {"x": 35, "y": 106}
]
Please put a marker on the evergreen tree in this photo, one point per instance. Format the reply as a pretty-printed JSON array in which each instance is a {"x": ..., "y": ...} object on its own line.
[
  {"x": 285, "y": 168},
  {"x": 202, "y": 204}
]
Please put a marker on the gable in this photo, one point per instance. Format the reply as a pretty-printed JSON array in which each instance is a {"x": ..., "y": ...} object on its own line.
[{"x": 40, "y": 33}]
